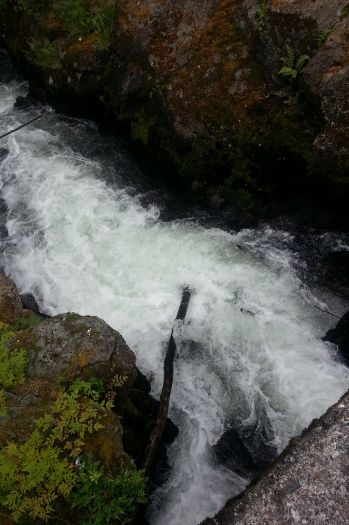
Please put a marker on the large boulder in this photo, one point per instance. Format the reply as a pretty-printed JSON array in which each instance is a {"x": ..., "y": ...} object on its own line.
[
  {"x": 60, "y": 350},
  {"x": 308, "y": 484},
  {"x": 71, "y": 346},
  {"x": 340, "y": 337}
]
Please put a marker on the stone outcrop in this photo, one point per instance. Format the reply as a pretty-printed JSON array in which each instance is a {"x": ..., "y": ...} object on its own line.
[
  {"x": 196, "y": 86},
  {"x": 10, "y": 302},
  {"x": 308, "y": 484},
  {"x": 320, "y": 29},
  {"x": 78, "y": 346},
  {"x": 340, "y": 337}
]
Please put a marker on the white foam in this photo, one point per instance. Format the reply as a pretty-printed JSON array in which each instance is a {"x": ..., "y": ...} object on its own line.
[{"x": 81, "y": 245}]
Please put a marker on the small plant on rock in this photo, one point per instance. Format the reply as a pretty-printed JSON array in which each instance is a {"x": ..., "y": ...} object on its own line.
[
  {"x": 292, "y": 65},
  {"x": 261, "y": 14},
  {"x": 12, "y": 361},
  {"x": 104, "y": 499}
]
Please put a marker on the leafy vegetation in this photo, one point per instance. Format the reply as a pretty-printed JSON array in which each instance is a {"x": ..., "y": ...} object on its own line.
[
  {"x": 44, "y": 54},
  {"x": 292, "y": 65},
  {"x": 77, "y": 17},
  {"x": 103, "y": 498},
  {"x": 50, "y": 466},
  {"x": 261, "y": 14},
  {"x": 81, "y": 19},
  {"x": 103, "y": 19},
  {"x": 27, "y": 322},
  {"x": 12, "y": 361}
]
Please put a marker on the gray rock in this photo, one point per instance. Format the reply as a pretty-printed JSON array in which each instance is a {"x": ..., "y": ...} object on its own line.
[
  {"x": 10, "y": 301},
  {"x": 307, "y": 485},
  {"x": 71, "y": 346}
]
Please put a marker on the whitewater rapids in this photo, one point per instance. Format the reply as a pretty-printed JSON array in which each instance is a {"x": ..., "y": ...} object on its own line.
[{"x": 77, "y": 236}]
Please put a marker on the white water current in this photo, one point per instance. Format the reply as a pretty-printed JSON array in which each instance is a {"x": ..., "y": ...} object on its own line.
[{"x": 80, "y": 240}]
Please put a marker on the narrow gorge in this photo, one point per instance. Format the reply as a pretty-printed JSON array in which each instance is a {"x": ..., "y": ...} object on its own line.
[{"x": 91, "y": 225}]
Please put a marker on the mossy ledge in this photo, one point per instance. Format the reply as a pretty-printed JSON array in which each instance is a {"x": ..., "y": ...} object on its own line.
[{"x": 196, "y": 89}]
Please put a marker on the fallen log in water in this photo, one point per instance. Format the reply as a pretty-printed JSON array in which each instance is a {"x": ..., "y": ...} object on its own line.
[
  {"x": 157, "y": 432},
  {"x": 22, "y": 126}
]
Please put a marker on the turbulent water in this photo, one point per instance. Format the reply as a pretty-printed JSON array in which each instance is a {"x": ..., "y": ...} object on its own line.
[{"x": 78, "y": 237}]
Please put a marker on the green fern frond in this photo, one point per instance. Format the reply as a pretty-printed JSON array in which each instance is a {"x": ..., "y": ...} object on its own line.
[{"x": 302, "y": 62}]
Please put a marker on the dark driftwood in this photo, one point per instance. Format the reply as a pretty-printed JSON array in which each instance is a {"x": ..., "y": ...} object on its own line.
[
  {"x": 158, "y": 429},
  {"x": 21, "y": 126}
]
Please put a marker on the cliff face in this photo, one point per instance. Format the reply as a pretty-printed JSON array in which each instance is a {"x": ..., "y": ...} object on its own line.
[
  {"x": 307, "y": 484},
  {"x": 196, "y": 85}
]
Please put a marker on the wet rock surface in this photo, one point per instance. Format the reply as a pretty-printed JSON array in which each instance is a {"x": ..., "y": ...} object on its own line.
[
  {"x": 334, "y": 270},
  {"x": 340, "y": 337},
  {"x": 232, "y": 453},
  {"x": 10, "y": 302},
  {"x": 308, "y": 484},
  {"x": 196, "y": 86}
]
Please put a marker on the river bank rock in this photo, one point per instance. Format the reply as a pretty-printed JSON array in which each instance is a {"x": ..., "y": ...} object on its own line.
[
  {"x": 58, "y": 351},
  {"x": 307, "y": 484},
  {"x": 334, "y": 269},
  {"x": 340, "y": 337},
  {"x": 10, "y": 302},
  {"x": 196, "y": 86},
  {"x": 78, "y": 346},
  {"x": 246, "y": 450}
]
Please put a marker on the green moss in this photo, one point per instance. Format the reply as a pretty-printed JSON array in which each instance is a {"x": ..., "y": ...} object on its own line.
[
  {"x": 12, "y": 361},
  {"x": 43, "y": 54},
  {"x": 26, "y": 322},
  {"x": 140, "y": 125},
  {"x": 81, "y": 18},
  {"x": 104, "y": 18},
  {"x": 76, "y": 17}
]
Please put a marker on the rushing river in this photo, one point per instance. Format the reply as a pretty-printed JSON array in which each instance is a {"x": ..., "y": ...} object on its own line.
[{"x": 77, "y": 235}]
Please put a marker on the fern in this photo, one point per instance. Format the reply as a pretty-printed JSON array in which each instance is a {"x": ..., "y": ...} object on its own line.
[
  {"x": 292, "y": 65},
  {"x": 290, "y": 57},
  {"x": 261, "y": 14}
]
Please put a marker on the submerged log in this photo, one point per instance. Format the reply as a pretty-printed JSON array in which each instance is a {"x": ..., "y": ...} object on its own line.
[{"x": 157, "y": 432}]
